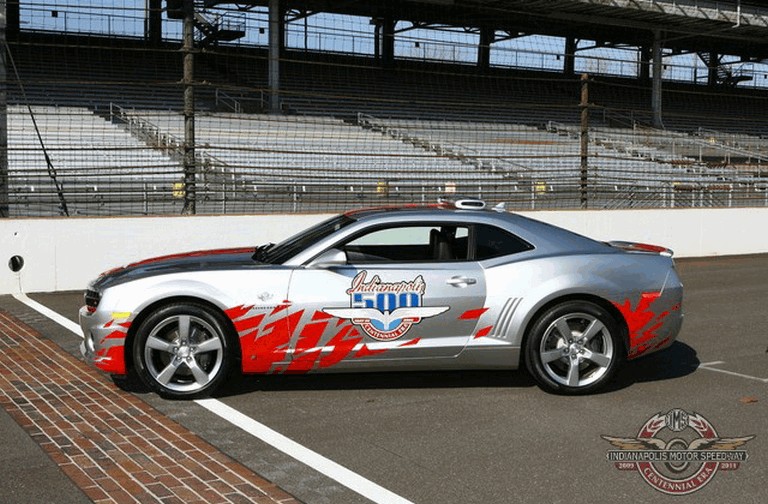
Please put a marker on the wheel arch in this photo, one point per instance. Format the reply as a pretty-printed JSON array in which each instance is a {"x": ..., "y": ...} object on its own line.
[
  {"x": 599, "y": 301},
  {"x": 147, "y": 310}
]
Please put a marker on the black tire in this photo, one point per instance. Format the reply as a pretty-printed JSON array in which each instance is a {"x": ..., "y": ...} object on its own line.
[
  {"x": 184, "y": 351},
  {"x": 581, "y": 361}
]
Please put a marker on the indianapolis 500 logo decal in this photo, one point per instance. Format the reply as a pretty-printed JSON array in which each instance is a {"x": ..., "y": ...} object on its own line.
[{"x": 386, "y": 311}]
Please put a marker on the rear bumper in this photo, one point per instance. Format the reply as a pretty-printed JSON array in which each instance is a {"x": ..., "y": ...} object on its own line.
[{"x": 653, "y": 321}]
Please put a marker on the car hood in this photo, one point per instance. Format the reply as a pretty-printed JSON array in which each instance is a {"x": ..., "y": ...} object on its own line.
[{"x": 203, "y": 260}]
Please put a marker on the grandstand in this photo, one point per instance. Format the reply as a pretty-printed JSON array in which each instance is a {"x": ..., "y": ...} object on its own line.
[{"x": 352, "y": 127}]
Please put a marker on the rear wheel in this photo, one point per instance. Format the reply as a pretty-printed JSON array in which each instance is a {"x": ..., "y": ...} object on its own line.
[
  {"x": 574, "y": 348},
  {"x": 183, "y": 350}
]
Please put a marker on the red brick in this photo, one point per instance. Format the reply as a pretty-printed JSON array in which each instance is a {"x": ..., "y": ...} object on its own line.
[
  {"x": 250, "y": 490},
  {"x": 110, "y": 443},
  {"x": 172, "y": 500},
  {"x": 120, "y": 496},
  {"x": 95, "y": 493},
  {"x": 159, "y": 490},
  {"x": 221, "y": 487},
  {"x": 108, "y": 484},
  {"x": 184, "y": 493}
]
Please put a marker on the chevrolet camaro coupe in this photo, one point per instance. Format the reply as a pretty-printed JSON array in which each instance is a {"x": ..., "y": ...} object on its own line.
[{"x": 447, "y": 286}]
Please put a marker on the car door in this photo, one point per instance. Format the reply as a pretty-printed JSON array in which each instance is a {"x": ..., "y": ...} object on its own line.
[{"x": 402, "y": 292}]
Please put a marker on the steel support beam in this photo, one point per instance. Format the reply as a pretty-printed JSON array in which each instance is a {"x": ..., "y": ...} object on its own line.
[
  {"x": 712, "y": 64},
  {"x": 276, "y": 43},
  {"x": 388, "y": 42},
  {"x": 569, "y": 65},
  {"x": 658, "y": 69},
  {"x": 487, "y": 37},
  {"x": 153, "y": 22},
  {"x": 12, "y": 19},
  {"x": 644, "y": 65}
]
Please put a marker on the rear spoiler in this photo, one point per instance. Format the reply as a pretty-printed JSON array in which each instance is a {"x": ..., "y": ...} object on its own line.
[{"x": 641, "y": 247}]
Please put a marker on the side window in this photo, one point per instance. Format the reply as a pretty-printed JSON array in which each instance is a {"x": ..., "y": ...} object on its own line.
[
  {"x": 409, "y": 243},
  {"x": 491, "y": 241}
]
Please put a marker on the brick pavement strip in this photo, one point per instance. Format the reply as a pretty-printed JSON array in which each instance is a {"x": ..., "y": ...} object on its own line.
[{"x": 111, "y": 444}]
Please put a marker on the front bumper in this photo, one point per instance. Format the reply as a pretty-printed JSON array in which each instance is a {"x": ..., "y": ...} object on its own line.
[{"x": 104, "y": 338}]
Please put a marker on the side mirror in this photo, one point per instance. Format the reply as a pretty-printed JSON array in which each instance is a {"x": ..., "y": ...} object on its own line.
[{"x": 329, "y": 258}]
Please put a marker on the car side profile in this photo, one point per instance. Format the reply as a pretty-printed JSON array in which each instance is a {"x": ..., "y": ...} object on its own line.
[{"x": 436, "y": 287}]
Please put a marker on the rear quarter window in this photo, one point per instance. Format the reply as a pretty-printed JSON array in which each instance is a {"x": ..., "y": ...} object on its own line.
[{"x": 491, "y": 242}]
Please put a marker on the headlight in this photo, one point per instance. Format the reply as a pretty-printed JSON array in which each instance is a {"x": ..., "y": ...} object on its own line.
[{"x": 92, "y": 298}]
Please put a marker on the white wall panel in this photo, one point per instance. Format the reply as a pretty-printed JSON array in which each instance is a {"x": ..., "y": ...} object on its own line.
[{"x": 64, "y": 254}]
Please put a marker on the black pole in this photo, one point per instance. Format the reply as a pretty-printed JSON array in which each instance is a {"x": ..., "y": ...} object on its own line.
[
  {"x": 569, "y": 63},
  {"x": 712, "y": 64},
  {"x": 153, "y": 22},
  {"x": 276, "y": 42},
  {"x": 190, "y": 203},
  {"x": 4, "y": 205},
  {"x": 487, "y": 37},
  {"x": 388, "y": 42},
  {"x": 584, "y": 166},
  {"x": 656, "y": 96},
  {"x": 12, "y": 19}
]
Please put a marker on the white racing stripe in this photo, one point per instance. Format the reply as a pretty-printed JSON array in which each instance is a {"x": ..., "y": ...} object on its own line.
[
  {"x": 44, "y": 310},
  {"x": 321, "y": 464},
  {"x": 328, "y": 467}
]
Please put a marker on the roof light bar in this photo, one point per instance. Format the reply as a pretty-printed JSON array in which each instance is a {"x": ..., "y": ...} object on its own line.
[{"x": 462, "y": 203}]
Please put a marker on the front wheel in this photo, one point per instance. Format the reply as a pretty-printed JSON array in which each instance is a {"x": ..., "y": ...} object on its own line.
[
  {"x": 574, "y": 348},
  {"x": 183, "y": 350}
]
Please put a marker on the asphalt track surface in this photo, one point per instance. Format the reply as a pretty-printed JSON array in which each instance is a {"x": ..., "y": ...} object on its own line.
[{"x": 480, "y": 437}]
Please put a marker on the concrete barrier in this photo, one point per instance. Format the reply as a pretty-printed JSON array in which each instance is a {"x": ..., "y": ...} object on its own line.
[{"x": 65, "y": 254}]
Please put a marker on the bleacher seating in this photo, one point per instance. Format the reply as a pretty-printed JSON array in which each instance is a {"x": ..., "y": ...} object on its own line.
[
  {"x": 351, "y": 129},
  {"x": 264, "y": 149},
  {"x": 91, "y": 159}
]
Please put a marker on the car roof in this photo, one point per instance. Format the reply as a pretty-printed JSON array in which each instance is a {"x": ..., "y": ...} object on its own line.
[{"x": 424, "y": 212}]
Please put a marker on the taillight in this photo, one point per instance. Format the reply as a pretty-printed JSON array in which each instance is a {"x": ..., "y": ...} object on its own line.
[
  {"x": 641, "y": 247},
  {"x": 645, "y": 247}
]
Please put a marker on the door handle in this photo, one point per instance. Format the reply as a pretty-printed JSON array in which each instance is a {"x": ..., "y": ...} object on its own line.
[{"x": 461, "y": 281}]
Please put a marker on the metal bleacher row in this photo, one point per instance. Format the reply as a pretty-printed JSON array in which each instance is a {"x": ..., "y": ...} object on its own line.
[
  {"x": 346, "y": 133},
  {"x": 616, "y": 154},
  {"x": 309, "y": 150},
  {"x": 258, "y": 153},
  {"x": 89, "y": 158}
]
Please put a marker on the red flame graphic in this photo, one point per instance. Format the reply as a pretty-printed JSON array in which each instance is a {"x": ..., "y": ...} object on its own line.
[{"x": 643, "y": 323}]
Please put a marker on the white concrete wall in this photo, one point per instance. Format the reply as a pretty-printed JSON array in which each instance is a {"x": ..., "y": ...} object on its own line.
[{"x": 64, "y": 254}]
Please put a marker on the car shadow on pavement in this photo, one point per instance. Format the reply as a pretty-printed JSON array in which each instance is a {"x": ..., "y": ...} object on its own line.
[
  {"x": 384, "y": 380},
  {"x": 677, "y": 361}
]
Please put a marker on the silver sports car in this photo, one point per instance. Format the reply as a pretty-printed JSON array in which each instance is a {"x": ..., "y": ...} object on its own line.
[{"x": 447, "y": 286}]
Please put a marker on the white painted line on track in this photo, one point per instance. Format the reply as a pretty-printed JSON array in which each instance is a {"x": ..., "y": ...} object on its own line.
[
  {"x": 44, "y": 310},
  {"x": 328, "y": 467},
  {"x": 732, "y": 373},
  {"x": 319, "y": 463}
]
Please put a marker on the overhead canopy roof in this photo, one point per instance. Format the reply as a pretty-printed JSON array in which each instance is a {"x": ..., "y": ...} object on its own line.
[{"x": 725, "y": 27}]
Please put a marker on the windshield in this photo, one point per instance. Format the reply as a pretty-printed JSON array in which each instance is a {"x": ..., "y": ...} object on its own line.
[{"x": 284, "y": 250}]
